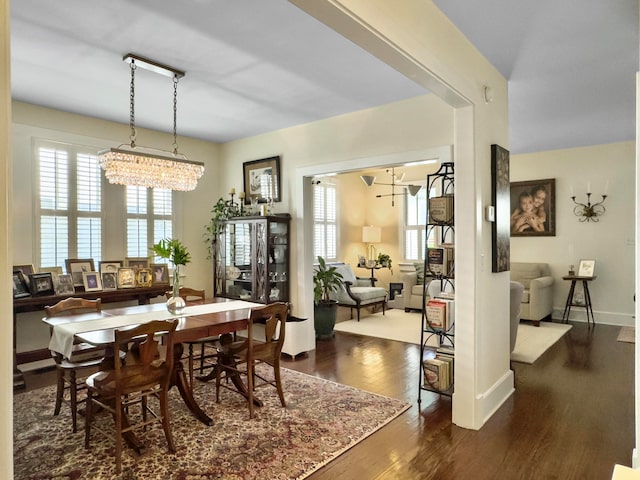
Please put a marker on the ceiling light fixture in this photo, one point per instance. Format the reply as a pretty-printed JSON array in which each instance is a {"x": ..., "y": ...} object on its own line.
[
  {"x": 370, "y": 180},
  {"x": 148, "y": 167}
]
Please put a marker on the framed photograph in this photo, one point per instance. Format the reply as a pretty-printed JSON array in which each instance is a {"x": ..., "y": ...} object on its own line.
[
  {"x": 109, "y": 280},
  {"x": 533, "y": 208},
  {"x": 65, "y": 285},
  {"x": 41, "y": 284},
  {"x": 500, "y": 191},
  {"x": 53, "y": 270},
  {"x": 160, "y": 274},
  {"x": 137, "y": 262},
  {"x": 20, "y": 288},
  {"x": 111, "y": 266},
  {"x": 76, "y": 267},
  {"x": 143, "y": 277},
  {"x": 126, "y": 277},
  {"x": 92, "y": 281},
  {"x": 587, "y": 268},
  {"x": 262, "y": 180},
  {"x": 26, "y": 271}
]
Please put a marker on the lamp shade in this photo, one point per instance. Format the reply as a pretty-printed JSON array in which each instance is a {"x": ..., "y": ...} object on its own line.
[
  {"x": 414, "y": 189},
  {"x": 371, "y": 234},
  {"x": 368, "y": 179}
]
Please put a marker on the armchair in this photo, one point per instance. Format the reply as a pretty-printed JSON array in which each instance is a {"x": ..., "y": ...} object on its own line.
[
  {"x": 537, "y": 300},
  {"x": 357, "y": 292}
]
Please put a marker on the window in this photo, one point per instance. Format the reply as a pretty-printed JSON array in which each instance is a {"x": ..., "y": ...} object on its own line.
[
  {"x": 70, "y": 215},
  {"x": 70, "y": 207},
  {"x": 149, "y": 216},
  {"x": 415, "y": 217},
  {"x": 325, "y": 229}
]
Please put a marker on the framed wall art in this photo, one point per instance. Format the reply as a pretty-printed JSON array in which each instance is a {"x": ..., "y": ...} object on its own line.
[
  {"x": 262, "y": 180},
  {"x": 533, "y": 208},
  {"x": 500, "y": 238},
  {"x": 76, "y": 267}
]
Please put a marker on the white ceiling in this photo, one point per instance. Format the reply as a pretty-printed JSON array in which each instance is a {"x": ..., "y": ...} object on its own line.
[{"x": 255, "y": 66}]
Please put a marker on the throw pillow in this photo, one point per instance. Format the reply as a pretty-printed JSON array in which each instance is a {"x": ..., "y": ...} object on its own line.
[{"x": 419, "y": 266}]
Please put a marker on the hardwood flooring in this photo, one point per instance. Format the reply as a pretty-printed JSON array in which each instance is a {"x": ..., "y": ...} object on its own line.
[{"x": 571, "y": 417}]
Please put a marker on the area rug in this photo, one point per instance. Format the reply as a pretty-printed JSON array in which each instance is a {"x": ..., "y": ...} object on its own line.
[
  {"x": 394, "y": 325},
  {"x": 532, "y": 342},
  {"x": 322, "y": 420},
  {"x": 627, "y": 334}
]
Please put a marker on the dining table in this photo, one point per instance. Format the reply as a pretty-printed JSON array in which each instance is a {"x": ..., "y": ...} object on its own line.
[{"x": 213, "y": 317}]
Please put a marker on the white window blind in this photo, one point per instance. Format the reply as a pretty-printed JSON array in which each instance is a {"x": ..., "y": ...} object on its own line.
[
  {"x": 415, "y": 225},
  {"x": 149, "y": 219},
  {"x": 325, "y": 230},
  {"x": 70, "y": 207}
]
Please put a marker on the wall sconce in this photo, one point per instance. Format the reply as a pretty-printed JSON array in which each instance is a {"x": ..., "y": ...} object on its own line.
[
  {"x": 589, "y": 212},
  {"x": 371, "y": 235},
  {"x": 369, "y": 180}
]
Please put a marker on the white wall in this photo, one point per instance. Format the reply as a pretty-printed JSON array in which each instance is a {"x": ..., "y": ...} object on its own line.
[{"x": 610, "y": 241}]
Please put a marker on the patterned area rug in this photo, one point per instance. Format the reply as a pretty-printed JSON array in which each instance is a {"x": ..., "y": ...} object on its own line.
[{"x": 322, "y": 420}]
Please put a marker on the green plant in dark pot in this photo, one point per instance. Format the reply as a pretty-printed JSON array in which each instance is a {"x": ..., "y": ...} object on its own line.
[{"x": 325, "y": 280}]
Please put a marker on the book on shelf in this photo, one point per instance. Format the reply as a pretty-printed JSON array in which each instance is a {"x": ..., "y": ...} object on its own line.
[
  {"x": 438, "y": 373},
  {"x": 450, "y": 305},
  {"x": 437, "y": 261},
  {"x": 436, "y": 312},
  {"x": 441, "y": 209}
]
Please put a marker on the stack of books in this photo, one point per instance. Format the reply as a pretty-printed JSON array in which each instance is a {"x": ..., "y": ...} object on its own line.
[
  {"x": 441, "y": 313},
  {"x": 438, "y": 371}
]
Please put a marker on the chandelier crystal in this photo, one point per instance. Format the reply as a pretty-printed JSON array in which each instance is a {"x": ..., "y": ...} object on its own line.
[{"x": 142, "y": 166}]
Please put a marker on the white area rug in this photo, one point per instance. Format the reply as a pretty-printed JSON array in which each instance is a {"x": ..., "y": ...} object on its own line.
[
  {"x": 394, "y": 324},
  {"x": 532, "y": 342}
]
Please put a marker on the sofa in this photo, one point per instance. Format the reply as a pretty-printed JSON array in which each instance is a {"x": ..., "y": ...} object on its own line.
[
  {"x": 357, "y": 292},
  {"x": 537, "y": 298},
  {"x": 413, "y": 286}
]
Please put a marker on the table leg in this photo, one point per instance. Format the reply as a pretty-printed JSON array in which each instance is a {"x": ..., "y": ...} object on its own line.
[
  {"x": 587, "y": 300},
  {"x": 567, "y": 305},
  {"x": 235, "y": 376},
  {"x": 179, "y": 378}
]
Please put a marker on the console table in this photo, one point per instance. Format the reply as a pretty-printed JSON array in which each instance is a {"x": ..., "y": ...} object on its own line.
[
  {"x": 587, "y": 298},
  {"x": 142, "y": 295}
]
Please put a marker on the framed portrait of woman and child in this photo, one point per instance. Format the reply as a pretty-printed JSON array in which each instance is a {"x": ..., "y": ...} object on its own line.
[{"x": 533, "y": 208}]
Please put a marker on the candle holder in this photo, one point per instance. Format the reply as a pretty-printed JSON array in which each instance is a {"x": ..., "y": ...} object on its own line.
[{"x": 588, "y": 212}]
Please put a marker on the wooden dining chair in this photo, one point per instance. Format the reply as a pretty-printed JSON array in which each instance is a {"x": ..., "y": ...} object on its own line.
[
  {"x": 241, "y": 357},
  {"x": 191, "y": 295},
  {"x": 84, "y": 357},
  {"x": 142, "y": 374}
]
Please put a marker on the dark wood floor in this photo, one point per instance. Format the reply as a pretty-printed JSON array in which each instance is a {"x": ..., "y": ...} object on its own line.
[{"x": 571, "y": 417}]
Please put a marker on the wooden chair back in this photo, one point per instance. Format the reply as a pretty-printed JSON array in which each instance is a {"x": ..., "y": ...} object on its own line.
[
  {"x": 274, "y": 319},
  {"x": 188, "y": 294},
  {"x": 73, "y": 304}
]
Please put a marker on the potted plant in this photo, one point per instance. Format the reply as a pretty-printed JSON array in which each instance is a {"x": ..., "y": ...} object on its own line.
[
  {"x": 221, "y": 212},
  {"x": 174, "y": 251},
  {"x": 325, "y": 280},
  {"x": 384, "y": 260}
]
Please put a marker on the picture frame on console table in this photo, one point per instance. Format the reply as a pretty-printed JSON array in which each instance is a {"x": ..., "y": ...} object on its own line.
[
  {"x": 539, "y": 198},
  {"x": 76, "y": 267},
  {"x": 262, "y": 180},
  {"x": 41, "y": 284},
  {"x": 65, "y": 285},
  {"x": 20, "y": 288},
  {"x": 587, "y": 268}
]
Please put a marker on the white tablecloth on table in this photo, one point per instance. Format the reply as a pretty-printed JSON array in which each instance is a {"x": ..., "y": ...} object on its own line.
[{"x": 63, "y": 334}]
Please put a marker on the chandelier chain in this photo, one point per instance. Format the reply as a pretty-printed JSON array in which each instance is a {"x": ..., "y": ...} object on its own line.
[
  {"x": 175, "y": 113},
  {"x": 132, "y": 110}
]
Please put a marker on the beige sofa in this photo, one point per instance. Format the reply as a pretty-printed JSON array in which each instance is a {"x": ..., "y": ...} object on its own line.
[
  {"x": 412, "y": 291},
  {"x": 537, "y": 299}
]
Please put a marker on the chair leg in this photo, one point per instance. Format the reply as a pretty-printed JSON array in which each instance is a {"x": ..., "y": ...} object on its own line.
[
  {"x": 276, "y": 371},
  {"x": 117, "y": 416},
  {"x": 250, "y": 386},
  {"x": 164, "y": 409},
  {"x": 191, "y": 366},
  {"x": 73, "y": 390},
  {"x": 88, "y": 418},
  {"x": 59, "y": 390}
]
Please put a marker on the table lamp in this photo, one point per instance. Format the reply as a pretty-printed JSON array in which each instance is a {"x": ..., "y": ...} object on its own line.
[{"x": 371, "y": 235}]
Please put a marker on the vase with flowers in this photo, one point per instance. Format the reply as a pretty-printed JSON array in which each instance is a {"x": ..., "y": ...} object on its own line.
[{"x": 174, "y": 251}]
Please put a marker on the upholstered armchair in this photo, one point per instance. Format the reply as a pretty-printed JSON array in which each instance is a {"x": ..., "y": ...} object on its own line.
[
  {"x": 537, "y": 299},
  {"x": 357, "y": 292}
]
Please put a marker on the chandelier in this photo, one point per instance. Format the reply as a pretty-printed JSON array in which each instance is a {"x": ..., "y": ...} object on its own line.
[
  {"x": 396, "y": 181},
  {"x": 131, "y": 164}
]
